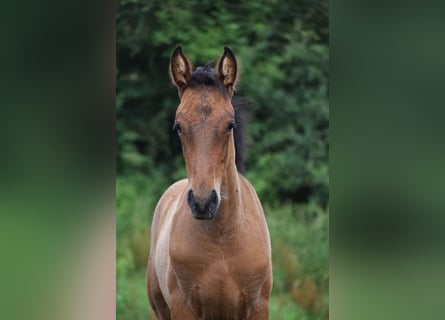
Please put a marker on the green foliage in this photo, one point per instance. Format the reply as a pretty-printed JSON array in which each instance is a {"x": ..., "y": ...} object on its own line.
[
  {"x": 283, "y": 51},
  {"x": 131, "y": 297},
  {"x": 282, "y": 307},
  {"x": 136, "y": 200},
  {"x": 300, "y": 256}
]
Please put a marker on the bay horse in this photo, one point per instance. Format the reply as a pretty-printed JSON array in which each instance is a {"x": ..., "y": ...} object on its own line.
[{"x": 210, "y": 253}]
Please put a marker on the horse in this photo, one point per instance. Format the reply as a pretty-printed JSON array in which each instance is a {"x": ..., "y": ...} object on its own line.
[{"x": 210, "y": 252}]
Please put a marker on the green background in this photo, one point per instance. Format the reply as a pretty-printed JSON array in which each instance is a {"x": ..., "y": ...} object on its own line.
[
  {"x": 386, "y": 194},
  {"x": 284, "y": 56}
]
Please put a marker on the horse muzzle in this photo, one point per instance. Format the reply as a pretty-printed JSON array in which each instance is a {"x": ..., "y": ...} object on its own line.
[{"x": 203, "y": 208}]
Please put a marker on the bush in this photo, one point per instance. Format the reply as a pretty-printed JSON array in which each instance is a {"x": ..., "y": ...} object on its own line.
[{"x": 283, "y": 51}]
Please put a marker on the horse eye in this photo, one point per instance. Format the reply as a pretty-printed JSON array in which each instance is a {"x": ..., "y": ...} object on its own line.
[
  {"x": 177, "y": 128},
  {"x": 230, "y": 126}
]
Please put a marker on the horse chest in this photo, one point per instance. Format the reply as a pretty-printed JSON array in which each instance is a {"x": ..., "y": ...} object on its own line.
[
  {"x": 214, "y": 292},
  {"x": 218, "y": 285}
]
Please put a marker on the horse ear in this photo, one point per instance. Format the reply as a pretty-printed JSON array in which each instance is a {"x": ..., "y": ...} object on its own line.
[
  {"x": 226, "y": 69},
  {"x": 180, "y": 70}
]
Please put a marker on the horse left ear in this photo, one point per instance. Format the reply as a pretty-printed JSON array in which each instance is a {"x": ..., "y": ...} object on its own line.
[{"x": 227, "y": 70}]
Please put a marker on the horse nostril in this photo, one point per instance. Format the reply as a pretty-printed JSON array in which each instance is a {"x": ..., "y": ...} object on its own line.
[
  {"x": 191, "y": 199},
  {"x": 213, "y": 201},
  {"x": 214, "y": 196}
]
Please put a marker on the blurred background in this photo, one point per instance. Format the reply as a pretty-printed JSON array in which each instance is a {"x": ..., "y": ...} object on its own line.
[
  {"x": 283, "y": 50},
  {"x": 386, "y": 160}
]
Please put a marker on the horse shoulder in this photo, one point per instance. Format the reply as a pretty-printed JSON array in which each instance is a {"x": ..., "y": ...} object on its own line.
[
  {"x": 254, "y": 213},
  {"x": 257, "y": 240},
  {"x": 168, "y": 200},
  {"x": 160, "y": 233},
  {"x": 250, "y": 196}
]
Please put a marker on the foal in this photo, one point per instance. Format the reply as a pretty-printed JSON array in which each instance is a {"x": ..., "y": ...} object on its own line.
[{"x": 210, "y": 255}]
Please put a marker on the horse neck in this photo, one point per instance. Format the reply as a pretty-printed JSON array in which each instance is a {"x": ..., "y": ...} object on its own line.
[{"x": 231, "y": 213}]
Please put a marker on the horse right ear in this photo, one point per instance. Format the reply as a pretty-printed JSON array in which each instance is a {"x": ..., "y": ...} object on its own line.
[{"x": 180, "y": 70}]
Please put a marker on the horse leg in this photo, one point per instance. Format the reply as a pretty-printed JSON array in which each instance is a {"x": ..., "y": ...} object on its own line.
[
  {"x": 179, "y": 308},
  {"x": 261, "y": 312},
  {"x": 155, "y": 296},
  {"x": 160, "y": 307}
]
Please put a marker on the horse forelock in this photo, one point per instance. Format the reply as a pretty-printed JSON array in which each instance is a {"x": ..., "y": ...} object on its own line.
[{"x": 207, "y": 76}]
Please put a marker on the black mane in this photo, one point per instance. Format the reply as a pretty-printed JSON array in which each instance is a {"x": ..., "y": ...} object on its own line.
[
  {"x": 207, "y": 76},
  {"x": 240, "y": 106}
]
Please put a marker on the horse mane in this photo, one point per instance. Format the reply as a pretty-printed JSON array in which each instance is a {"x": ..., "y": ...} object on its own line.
[{"x": 207, "y": 76}]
